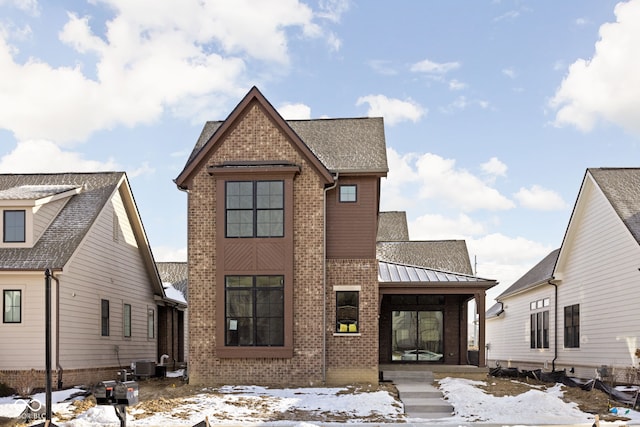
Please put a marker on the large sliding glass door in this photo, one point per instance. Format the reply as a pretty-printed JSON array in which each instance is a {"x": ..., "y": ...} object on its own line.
[{"x": 416, "y": 336}]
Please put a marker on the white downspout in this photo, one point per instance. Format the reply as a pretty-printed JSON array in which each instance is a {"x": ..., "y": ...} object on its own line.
[{"x": 324, "y": 278}]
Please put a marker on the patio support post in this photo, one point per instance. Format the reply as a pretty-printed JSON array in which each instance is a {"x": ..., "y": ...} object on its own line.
[{"x": 480, "y": 304}]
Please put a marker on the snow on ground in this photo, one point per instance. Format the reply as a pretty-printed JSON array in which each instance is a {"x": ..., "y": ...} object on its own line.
[{"x": 256, "y": 405}]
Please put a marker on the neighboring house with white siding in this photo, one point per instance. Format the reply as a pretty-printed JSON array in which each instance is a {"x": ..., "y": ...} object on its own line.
[
  {"x": 578, "y": 309},
  {"x": 106, "y": 291}
]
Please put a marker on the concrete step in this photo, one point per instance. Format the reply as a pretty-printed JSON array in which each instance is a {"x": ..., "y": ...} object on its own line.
[
  {"x": 430, "y": 415},
  {"x": 420, "y": 395},
  {"x": 418, "y": 376},
  {"x": 431, "y": 405}
]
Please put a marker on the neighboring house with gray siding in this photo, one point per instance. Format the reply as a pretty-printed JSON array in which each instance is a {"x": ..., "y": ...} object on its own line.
[
  {"x": 106, "y": 291},
  {"x": 578, "y": 308}
]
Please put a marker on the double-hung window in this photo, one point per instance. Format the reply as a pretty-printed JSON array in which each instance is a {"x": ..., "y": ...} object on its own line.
[
  {"x": 12, "y": 306},
  {"x": 254, "y": 208},
  {"x": 348, "y": 193},
  {"x": 540, "y": 323},
  {"x": 572, "y": 326},
  {"x": 14, "y": 226},
  {"x": 254, "y": 310}
]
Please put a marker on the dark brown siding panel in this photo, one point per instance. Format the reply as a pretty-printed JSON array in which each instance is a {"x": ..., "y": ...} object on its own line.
[{"x": 351, "y": 227}]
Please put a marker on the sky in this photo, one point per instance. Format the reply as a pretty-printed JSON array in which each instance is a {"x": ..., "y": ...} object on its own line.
[
  {"x": 493, "y": 109},
  {"x": 253, "y": 405}
]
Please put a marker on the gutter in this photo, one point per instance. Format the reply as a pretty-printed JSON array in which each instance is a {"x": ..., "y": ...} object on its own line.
[
  {"x": 324, "y": 278},
  {"x": 555, "y": 321}
]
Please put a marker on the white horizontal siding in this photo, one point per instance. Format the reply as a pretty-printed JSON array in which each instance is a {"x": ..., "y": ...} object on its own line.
[
  {"x": 22, "y": 345},
  {"x": 509, "y": 335},
  {"x": 108, "y": 265},
  {"x": 600, "y": 272}
]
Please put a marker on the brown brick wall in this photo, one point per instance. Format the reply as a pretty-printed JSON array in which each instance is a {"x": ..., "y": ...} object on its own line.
[
  {"x": 353, "y": 358},
  {"x": 35, "y": 379},
  {"x": 255, "y": 138}
]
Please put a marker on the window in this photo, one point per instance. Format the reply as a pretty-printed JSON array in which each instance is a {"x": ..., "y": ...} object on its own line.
[
  {"x": 539, "y": 324},
  {"x": 151, "y": 328},
  {"x": 572, "y": 326},
  {"x": 348, "y": 193},
  {"x": 255, "y": 208},
  {"x": 14, "y": 226},
  {"x": 126, "y": 321},
  {"x": 12, "y": 312},
  {"x": 254, "y": 310},
  {"x": 104, "y": 315},
  {"x": 347, "y": 311}
]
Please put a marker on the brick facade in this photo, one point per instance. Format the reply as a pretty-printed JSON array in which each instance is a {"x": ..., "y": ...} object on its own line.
[{"x": 255, "y": 137}]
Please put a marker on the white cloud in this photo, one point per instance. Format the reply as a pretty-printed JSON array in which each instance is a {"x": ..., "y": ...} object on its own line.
[
  {"x": 462, "y": 103},
  {"x": 504, "y": 258},
  {"x": 168, "y": 254},
  {"x": 39, "y": 156},
  {"x": 510, "y": 15},
  {"x": 383, "y": 67},
  {"x": 333, "y": 9},
  {"x": 29, "y": 6},
  {"x": 430, "y": 67},
  {"x": 606, "y": 87},
  {"x": 393, "y": 110},
  {"x": 144, "y": 169},
  {"x": 185, "y": 58},
  {"x": 442, "y": 181},
  {"x": 509, "y": 72},
  {"x": 494, "y": 167},
  {"x": 295, "y": 111},
  {"x": 540, "y": 198},
  {"x": 440, "y": 227},
  {"x": 457, "y": 85},
  {"x": 427, "y": 176}
]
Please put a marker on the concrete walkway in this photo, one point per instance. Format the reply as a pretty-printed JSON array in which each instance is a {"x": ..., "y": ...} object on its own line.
[{"x": 419, "y": 397}]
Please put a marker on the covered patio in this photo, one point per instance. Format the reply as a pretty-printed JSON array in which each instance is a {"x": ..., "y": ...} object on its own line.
[{"x": 425, "y": 316}]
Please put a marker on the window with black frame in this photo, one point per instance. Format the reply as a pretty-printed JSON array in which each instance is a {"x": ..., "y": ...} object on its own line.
[
  {"x": 12, "y": 303},
  {"x": 254, "y": 310},
  {"x": 539, "y": 324},
  {"x": 14, "y": 226},
  {"x": 572, "y": 326},
  {"x": 347, "y": 303},
  {"x": 254, "y": 208},
  {"x": 104, "y": 316}
]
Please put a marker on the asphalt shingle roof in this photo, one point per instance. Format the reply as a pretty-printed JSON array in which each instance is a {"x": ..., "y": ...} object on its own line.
[
  {"x": 34, "y": 192},
  {"x": 540, "y": 273},
  {"x": 61, "y": 238},
  {"x": 349, "y": 145},
  {"x": 621, "y": 186},
  {"x": 175, "y": 273},
  {"x": 392, "y": 227},
  {"x": 445, "y": 255}
]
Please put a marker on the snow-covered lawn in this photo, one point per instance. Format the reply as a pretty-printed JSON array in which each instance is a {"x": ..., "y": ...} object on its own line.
[{"x": 246, "y": 405}]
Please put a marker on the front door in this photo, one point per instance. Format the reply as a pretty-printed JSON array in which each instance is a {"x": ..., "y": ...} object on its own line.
[{"x": 416, "y": 336}]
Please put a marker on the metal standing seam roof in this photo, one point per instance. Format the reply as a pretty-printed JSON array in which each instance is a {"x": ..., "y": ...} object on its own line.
[
  {"x": 351, "y": 145},
  {"x": 62, "y": 237},
  {"x": 399, "y": 273}
]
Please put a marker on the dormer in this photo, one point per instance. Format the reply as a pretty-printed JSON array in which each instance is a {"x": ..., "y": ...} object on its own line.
[{"x": 27, "y": 210}]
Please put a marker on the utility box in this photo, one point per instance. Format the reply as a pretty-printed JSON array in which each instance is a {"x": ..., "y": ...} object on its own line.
[
  {"x": 126, "y": 393},
  {"x": 104, "y": 392},
  {"x": 144, "y": 368}
]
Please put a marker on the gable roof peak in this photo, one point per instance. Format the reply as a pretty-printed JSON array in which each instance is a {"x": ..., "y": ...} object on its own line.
[{"x": 254, "y": 95}]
